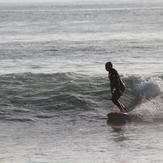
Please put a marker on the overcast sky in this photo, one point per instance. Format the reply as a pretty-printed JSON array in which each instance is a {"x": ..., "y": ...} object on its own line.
[
  {"x": 22, "y": 1},
  {"x": 35, "y": 1}
]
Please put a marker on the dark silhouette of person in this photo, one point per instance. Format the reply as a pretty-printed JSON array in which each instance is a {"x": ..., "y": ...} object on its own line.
[{"x": 117, "y": 86}]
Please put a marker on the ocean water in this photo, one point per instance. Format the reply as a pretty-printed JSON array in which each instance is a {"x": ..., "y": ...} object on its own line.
[{"x": 54, "y": 90}]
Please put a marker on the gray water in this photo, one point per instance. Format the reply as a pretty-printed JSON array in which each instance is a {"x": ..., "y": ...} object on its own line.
[{"x": 54, "y": 90}]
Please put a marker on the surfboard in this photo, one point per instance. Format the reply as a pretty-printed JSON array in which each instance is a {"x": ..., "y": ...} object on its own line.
[{"x": 118, "y": 118}]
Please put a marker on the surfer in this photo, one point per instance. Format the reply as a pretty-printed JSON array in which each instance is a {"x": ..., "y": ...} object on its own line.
[{"x": 116, "y": 85}]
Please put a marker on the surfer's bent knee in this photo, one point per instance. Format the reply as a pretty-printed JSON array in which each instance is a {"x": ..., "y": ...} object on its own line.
[{"x": 114, "y": 99}]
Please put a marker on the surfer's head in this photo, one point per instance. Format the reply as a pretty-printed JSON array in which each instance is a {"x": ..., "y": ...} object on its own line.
[{"x": 108, "y": 66}]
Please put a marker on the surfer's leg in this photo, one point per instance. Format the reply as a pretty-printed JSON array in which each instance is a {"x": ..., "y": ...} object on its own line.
[
  {"x": 115, "y": 97},
  {"x": 124, "y": 108}
]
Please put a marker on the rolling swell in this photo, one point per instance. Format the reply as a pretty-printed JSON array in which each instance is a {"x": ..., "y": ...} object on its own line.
[
  {"x": 50, "y": 91},
  {"x": 30, "y": 94}
]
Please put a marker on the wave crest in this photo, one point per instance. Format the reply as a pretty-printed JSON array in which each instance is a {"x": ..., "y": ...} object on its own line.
[{"x": 64, "y": 91}]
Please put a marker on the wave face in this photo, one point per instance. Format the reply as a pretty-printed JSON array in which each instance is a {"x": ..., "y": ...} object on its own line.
[{"x": 31, "y": 94}]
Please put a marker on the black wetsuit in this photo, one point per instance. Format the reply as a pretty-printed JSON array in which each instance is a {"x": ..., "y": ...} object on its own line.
[
  {"x": 117, "y": 88},
  {"x": 115, "y": 81}
]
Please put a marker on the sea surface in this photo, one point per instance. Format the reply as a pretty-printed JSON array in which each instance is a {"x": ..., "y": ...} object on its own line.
[{"x": 55, "y": 92}]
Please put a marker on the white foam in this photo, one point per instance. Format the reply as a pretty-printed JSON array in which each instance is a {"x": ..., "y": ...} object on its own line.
[
  {"x": 87, "y": 36},
  {"x": 149, "y": 88},
  {"x": 151, "y": 110}
]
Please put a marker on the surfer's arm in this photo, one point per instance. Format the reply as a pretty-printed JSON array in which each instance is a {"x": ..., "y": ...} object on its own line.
[
  {"x": 120, "y": 84},
  {"x": 117, "y": 79},
  {"x": 112, "y": 88}
]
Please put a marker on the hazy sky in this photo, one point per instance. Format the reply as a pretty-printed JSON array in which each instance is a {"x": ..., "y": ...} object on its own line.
[
  {"x": 22, "y": 1},
  {"x": 115, "y": 1},
  {"x": 58, "y": 1},
  {"x": 35, "y": 1}
]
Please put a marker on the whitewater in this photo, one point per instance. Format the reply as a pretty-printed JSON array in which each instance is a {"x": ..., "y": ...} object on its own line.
[{"x": 55, "y": 92}]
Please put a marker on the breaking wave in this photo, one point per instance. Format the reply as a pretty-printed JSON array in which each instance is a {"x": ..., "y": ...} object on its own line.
[{"x": 32, "y": 94}]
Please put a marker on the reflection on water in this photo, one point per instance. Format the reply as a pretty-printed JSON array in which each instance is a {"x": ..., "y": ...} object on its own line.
[
  {"x": 119, "y": 135},
  {"x": 118, "y": 131}
]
